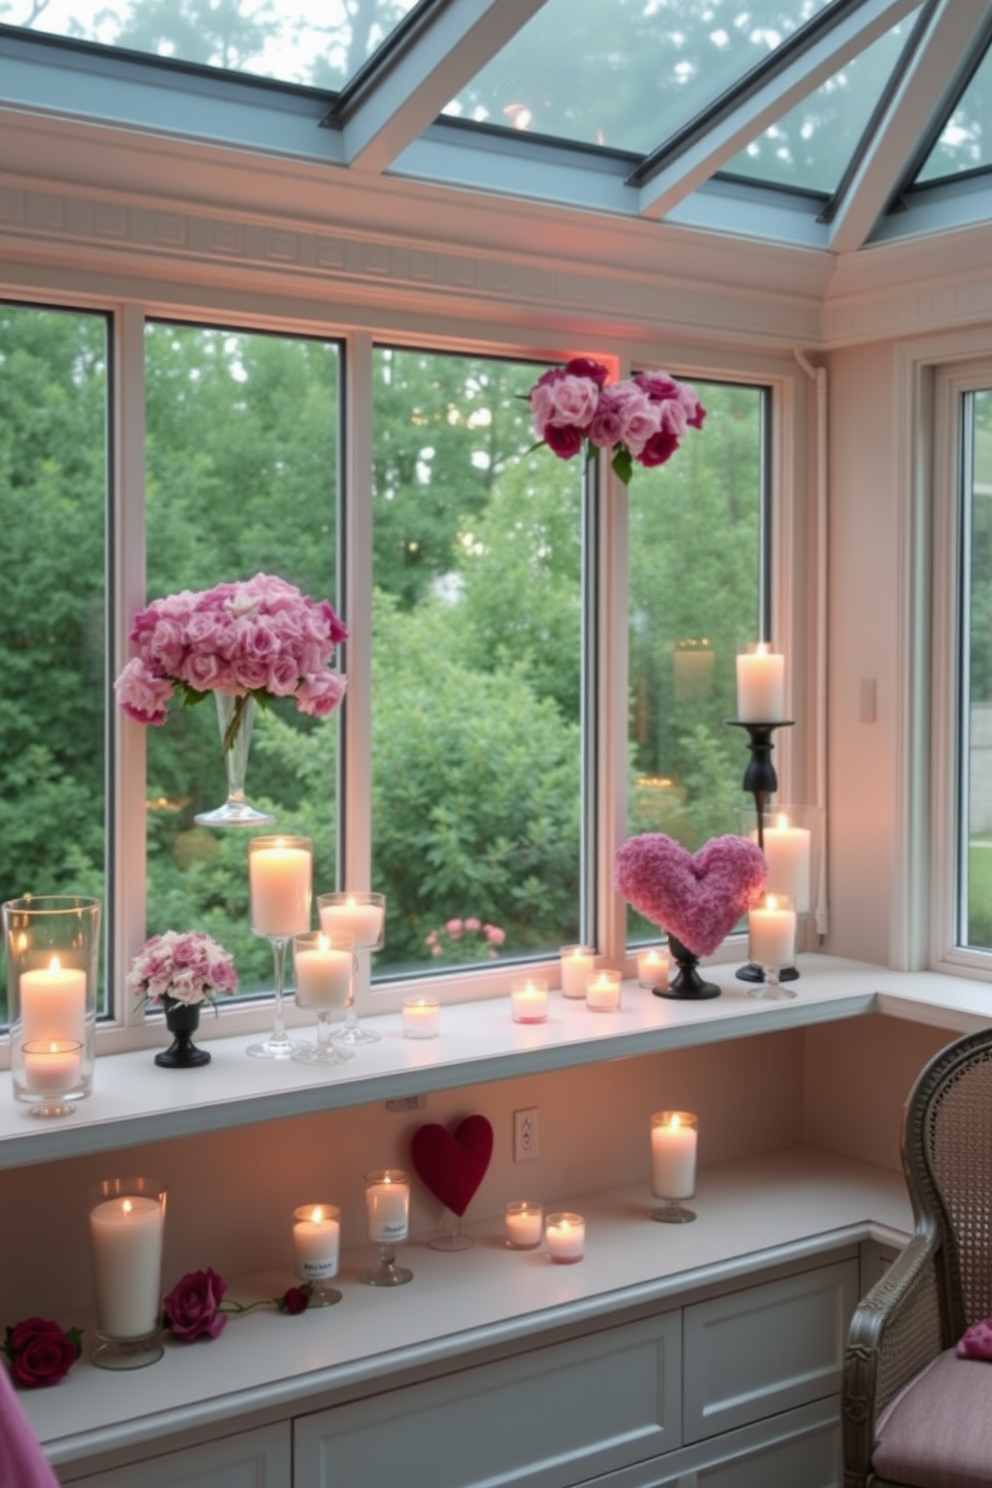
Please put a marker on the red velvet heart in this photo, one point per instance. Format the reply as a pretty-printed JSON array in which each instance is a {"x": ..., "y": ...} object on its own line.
[
  {"x": 453, "y": 1165},
  {"x": 698, "y": 899}
]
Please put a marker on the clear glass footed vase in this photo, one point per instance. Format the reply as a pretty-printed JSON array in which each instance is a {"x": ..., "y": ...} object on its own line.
[{"x": 236, "y": 717}]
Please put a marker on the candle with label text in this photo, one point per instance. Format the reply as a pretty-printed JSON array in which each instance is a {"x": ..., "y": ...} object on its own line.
[
  {"x": 316, "y": 1243},
  {"x": 387, "y": 1205}
]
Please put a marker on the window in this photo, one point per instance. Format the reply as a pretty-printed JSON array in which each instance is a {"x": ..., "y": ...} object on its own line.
[{"x": 53, "y": 499}]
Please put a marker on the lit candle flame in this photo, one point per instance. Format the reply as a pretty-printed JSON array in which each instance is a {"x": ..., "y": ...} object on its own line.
[
  {"x": 54, "y": 964},
  {"x": 127, "y": 1206}
]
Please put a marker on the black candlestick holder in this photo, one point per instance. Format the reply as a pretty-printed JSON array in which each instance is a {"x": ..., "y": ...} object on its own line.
[
  {"x": 761, "y": 781},
  {"x": 688, "y": 985}
]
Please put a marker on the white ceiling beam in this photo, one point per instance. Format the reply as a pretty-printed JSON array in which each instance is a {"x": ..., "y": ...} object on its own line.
[
  {"x": 440, "y": 59},
  {"x": 702, "y": 158},
  {"x": 925, "y": 93}
]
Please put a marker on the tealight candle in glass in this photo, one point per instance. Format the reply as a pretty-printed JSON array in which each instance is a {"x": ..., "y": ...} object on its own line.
[
  {"x": 524, "y": 1224},
  {"x": 51, "y": 1072},
  {"x": 529, "y": 1001},
  {"x": 771, "y": 927},
  {"x": 316, "y": 1248},
  {"x": 565, "y": 1238},
  {"x": 653, "y": 967},
  {"x": 603, "y": 992},
  {"x": 421, "y": 1017},
  {"x": 578, "y": 962},
  {"x": 324, "y": 973}
]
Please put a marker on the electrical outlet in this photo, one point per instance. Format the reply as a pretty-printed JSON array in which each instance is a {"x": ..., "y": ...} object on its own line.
[{"x": 525, "y": 1135}]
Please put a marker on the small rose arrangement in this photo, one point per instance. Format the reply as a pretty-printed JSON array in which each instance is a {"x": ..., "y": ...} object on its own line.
[
  {"x": 188, "y": 967},
  {"x": 198, "y": 1307},
  {"x": 465, "y": 940},
  {"x": 642, "y": 419},
  {"x": 40, "y": 1352},
  {"x": 257, "y": 638}
]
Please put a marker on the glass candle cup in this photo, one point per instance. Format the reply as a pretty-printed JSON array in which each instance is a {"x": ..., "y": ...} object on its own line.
[
  {"x": 565, "y": 1238},
  {"x": 674, "y": 1144},
  {"x": 524, "y": 1224},
  {"x": 653, "y": 967},
  {"x": 53, "y": 953},
  {"x": 421, "y": 1017},
  {"x": 387, "y": 1214},
  {"x": 127, "y": 1229},
  {"x": 603, "y": 992},
  {"x": 529, "y": 1001},
  {"x": 578, "y": 962},
  {"x": 51, "y": 1072},
  {"x": 316, "y": 1250}
]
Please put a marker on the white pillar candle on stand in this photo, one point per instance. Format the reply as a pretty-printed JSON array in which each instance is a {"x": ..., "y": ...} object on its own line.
[
  {"x": 577, "y": 965},
  {"x": 529, "y": 1001},
  {"x": 760, "y": 686},
  {"x": 126, "y": 1235},
  {"x": 316, "y": 1241},
  {"x": 787, "y": 853},
  {"x": 387, "y": 1206},
  {"x": 565, "y": 1238},
  {"x": 673, "y": 1154},
  {"x": 603, "y": 992},
  {"x": 279, "y": 880},
  {"x": 323, "y": 972},
  {"x": 772, "y": 931},
  {"x": 524, "y": 1224},
  {"x": 421, "y": 1017},
  {"x": 53, "y": 1003},
  {"x": 351, "y": 916}
]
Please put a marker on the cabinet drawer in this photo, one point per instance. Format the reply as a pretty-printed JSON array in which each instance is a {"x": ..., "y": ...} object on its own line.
[
  {"x": 767, "y": 1348},
  {"x": 550, "y": 1417},
  {"x": 252, "y": 1459}
]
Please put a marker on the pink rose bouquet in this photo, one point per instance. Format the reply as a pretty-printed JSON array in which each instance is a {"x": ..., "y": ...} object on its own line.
[
  {"x": 259, "y": 638},
  {"x": 641, "y": 419},
  {"x": 465, "y": 940},
  {"x": 188, "y": 967}
]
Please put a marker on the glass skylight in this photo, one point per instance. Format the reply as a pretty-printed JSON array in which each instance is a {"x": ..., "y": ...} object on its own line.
[
  {"x": 626, "y": 74},
  {"x": 811, "y": 145},
  {"x": 290, "y": 41},
  {"x": 966, "y": 141}
]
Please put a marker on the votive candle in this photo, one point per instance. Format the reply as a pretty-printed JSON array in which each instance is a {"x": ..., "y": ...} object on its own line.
[
  {"x": 355, "y": 916},
  {"x": 772, "y": 931},
  {"x": 323, "y": 971},
  {"x": 529, "y": 1001},
  {"x": 524, "y": 1224},
  {"x": 421, "y": 1017},
  {"x": 577, "y": 965},
  {"x": 52, "y": 1066},
  {"x": 653, "y": 967},
  {"x": 603, "y": 992},
  {"x": 565, "y": 1238}
]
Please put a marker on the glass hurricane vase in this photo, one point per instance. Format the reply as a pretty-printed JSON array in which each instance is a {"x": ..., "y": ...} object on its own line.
[{"x": 236, "y": 718}]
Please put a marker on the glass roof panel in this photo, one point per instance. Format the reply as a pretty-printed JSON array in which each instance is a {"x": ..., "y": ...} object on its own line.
[
  {"x": 289, "y": 41},
  {"x": 626, "y": 73},
  {"x": 809, "y": 148},
  {"x": 966, "y": 141}
]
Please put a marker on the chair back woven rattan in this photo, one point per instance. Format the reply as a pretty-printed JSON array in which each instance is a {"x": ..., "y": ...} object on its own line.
[{"x": 942, "y": 1282}]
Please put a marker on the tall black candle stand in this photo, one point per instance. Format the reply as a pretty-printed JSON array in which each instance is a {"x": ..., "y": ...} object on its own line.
[
  {"x": 761, "y": 782},
  {"x": 688, "y": 985}
]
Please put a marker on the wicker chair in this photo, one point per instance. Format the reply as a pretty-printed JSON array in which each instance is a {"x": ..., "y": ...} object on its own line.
[{"x": 914, "y": 1414}]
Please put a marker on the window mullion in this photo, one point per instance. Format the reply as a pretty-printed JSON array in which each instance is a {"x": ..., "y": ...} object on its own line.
[{"x": 355, "y": 589}]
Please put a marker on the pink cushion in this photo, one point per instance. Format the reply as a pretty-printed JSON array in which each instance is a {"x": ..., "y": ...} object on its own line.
[
  {"x": 937, "y": 1433},
  {"x": 22, "y": 1462}
]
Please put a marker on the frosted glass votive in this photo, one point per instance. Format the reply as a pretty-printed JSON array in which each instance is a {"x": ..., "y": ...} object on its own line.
[
  {"x": 421, "y": 1017},
  {"x": 524, "y": 1224},
  {"x": 603, "y": 992},
  {"x": 529, "y": 1001}
]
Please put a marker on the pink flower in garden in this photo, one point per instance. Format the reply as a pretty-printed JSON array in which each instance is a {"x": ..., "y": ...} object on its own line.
[{"x": 468, "y": 939}]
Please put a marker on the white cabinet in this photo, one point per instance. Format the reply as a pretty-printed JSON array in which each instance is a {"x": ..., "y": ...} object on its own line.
[{"x": 250, "y": 1459}]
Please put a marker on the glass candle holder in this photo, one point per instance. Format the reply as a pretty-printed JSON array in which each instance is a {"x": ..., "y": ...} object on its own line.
[
  {"x": 324, "y": 975},
  {"x": 421, "y": 1017},
  {"x": 280, "y": 876},
  {"x": 387, "y": 1213},
  {"x": 53, "y": 953},
  {"x": 673, "y": 1163},
  {"x": 603, "y": 992},
  {"x": 51, "y": 1072},
  {"x": 358, "y": 915},
  {"x": 529, "y": 1001},
  {"x": 653, "y": 967},
  {"x": 316, "y": 1250},
  {"x": 578, "y": 962},
  {"x": 127, "y": 1229},
  {"x": 565, "y": 1238},
  {"x": 524, "y": 1224},
  {"x": 771, "y": 928}
]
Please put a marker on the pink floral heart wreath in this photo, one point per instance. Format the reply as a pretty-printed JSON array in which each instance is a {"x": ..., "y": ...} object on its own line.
[{"x": 697, "y": 898}]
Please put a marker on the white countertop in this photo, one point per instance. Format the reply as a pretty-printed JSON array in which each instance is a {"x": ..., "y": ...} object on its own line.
[
  {"x": 784, "y": 1207},
  {"x": 131, "y": 1104}
]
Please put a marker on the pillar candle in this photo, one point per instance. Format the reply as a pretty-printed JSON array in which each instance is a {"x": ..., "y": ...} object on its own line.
[
  {"x": 577, "y": 965},
  {"x": 323, "y": 974},
  {"x": 279, "y": 878},
  {"x": 421, "y": 1018},
  {"x": 53, "y": 1003},
  {"x": 760, "y": 686},
  {"x": 316, "y": 1241},
  {"x": 673, "y": 1155},
  {"x": 387, "y": 1208},
  {"x": 772, "y": 932},
  {"x": 524, "y": 1223},
  {"x": 787, "y": 853},
  {"x": 351, "y": 918},
  {"x": 126, "y": 1238},
  {"x": 565, "y": 1237}
]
